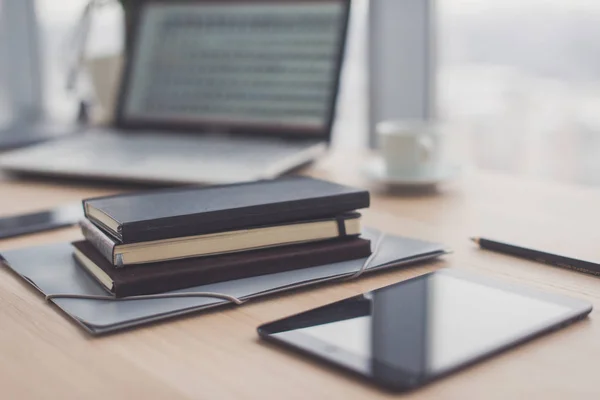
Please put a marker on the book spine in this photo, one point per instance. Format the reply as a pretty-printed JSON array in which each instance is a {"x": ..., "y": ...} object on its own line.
[{"x": 98, "y": 239}]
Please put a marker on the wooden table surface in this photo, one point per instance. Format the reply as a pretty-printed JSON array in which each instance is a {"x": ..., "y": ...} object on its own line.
[{"x": 217, "y": 355}]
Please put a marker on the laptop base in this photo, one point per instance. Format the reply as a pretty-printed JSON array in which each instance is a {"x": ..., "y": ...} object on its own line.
[{"x": 163, "y": 158}]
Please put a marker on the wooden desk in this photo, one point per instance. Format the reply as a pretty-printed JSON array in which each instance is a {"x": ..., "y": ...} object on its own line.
[{"x": 216, "y": 355}]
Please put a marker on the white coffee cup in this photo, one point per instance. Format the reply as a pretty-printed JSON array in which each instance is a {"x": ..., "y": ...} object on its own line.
[{"x": 410, "y": 147}]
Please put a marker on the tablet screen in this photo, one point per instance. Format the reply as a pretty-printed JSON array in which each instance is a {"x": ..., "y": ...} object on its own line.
[{"x": 421, "y": 327}]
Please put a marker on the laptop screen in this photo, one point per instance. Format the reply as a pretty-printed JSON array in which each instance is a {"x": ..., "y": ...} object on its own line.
[{"x": 236, "y": 63}]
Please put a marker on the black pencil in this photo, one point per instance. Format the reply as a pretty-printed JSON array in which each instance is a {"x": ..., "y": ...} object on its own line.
[{"x": 554, "y": 260}]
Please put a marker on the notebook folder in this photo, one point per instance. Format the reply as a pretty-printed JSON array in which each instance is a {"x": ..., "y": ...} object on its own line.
[{"x": 67, "y": 281}]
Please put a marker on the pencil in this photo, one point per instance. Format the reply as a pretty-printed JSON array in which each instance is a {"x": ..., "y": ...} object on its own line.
[{"x": 554, "y": 260}]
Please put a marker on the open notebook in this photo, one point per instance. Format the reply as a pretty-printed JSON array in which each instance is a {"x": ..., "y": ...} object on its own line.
[{"x": 68, "y": 283}]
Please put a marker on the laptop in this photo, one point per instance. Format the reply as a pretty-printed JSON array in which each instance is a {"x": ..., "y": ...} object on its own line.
[{"x": 212, "y": 92}]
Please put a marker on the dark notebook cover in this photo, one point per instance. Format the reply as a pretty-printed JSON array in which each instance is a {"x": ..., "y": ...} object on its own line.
[
  {"x": 111, "y": 249},
  {"x": 181, "y": 274},
  {"x": 170, "y": 213}
]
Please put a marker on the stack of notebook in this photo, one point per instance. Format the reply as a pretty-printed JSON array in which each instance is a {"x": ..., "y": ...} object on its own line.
[{"x": 171, "y": 239}]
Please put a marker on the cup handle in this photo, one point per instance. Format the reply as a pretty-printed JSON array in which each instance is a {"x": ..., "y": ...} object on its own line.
[{"x": 426, "y": 148}]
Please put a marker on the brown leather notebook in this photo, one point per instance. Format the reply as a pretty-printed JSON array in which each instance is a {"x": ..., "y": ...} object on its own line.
[{"x": 190, "y": 272}]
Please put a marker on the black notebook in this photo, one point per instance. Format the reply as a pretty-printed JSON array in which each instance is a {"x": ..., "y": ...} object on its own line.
[
  {"x": 171, "y": 213},
  {"x": 180, "y": 274},
  {"x": 240, "y": 240}
]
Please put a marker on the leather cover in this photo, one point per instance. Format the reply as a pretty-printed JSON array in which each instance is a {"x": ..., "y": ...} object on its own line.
[
  {"x": 181, "y": 274},
  {"x": 169, "y": 213}
]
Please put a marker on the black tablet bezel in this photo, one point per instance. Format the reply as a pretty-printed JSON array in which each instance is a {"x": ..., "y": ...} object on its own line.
[
  {"x": 398, "y": 380},
  {"x": 122, "y": 121}
]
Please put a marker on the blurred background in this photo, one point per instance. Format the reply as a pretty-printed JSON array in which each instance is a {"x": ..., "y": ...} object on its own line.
[{"x": 518, "y": 80}]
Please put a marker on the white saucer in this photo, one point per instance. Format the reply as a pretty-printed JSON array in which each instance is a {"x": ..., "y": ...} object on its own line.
[{"x": 375, "y": 171}]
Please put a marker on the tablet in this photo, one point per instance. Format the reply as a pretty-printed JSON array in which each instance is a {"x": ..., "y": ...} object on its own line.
[{"x": 405, "y": 335}]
